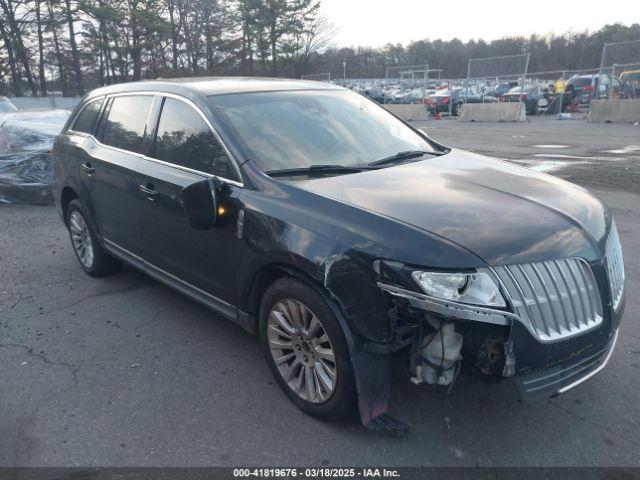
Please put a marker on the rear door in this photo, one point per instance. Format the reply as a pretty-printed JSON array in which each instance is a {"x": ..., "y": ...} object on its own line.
[
  {"x": 123, "y": 136},
  {"x": 186, "y": 150},
  {"x": 77, "y": 146}
]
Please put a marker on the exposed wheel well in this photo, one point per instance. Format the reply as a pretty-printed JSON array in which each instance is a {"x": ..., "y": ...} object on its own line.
[
  {"x": 68, "y": 194},
  {"x": 265, "y": 277}
]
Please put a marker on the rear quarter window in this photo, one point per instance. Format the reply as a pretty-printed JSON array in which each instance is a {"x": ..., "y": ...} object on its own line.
[{"x": 86, "y": 120}]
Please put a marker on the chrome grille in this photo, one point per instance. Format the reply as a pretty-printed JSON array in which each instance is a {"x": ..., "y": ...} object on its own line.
[
  {"x": 615, "y": 266},
  {"x": 556, "y": 298}
]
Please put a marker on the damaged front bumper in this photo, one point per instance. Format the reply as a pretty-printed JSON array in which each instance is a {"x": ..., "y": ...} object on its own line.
[
  {"x": 563, "y": 377},
  {"x": 539, "y": 369}
]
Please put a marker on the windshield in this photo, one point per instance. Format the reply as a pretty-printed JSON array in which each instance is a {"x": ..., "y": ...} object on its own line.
[{"x": 297, "y": 129}]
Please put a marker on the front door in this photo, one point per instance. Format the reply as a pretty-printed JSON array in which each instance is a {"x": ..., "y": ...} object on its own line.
[{"x": 185, "y": 151}]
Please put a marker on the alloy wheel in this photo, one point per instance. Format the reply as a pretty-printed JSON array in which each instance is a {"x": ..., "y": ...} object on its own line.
[
  {"x": 302, "y": 351},
  {"x": 81, "y": 238}
]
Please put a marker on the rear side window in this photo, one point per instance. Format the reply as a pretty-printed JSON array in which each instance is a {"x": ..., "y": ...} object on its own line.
[
  {"x": 185, "y": 139},
  {"x": 88, "y": 116},
  {"x": 125, "y": 124}
]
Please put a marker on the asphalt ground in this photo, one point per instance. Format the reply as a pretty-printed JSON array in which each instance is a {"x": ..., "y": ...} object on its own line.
[{"x": 123, "y": 371}]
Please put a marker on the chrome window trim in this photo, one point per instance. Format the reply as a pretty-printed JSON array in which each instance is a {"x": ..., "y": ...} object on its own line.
[{"x": 233, "y": 160}]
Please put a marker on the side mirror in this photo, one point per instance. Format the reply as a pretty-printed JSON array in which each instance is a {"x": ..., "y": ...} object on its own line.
[{"x": 200, "y": 203}]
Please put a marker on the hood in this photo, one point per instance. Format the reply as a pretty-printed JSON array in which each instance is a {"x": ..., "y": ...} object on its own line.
[{"x": 502, "y": 212}]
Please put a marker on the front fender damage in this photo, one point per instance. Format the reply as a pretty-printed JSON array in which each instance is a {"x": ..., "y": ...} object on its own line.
[
  {"x": 368, "y": 321},
  {"x": 379, "y": 324}
]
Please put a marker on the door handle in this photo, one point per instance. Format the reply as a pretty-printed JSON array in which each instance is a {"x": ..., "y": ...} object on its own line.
[
  {"x": 148, "y": 190},
  {"x": 87, "y": 167}
]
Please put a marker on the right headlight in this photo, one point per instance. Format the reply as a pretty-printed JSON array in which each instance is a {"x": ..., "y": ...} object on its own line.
[{"x": 476, "y": 288}]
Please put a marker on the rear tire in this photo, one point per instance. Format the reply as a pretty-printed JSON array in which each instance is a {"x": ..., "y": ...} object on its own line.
[
  {"x": 299, "y": 329},
  {"x": 92, "y": 257}
]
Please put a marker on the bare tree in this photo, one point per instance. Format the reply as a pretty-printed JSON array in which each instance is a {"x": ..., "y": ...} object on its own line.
[
  {"x": 53, "y": 27},
  {"x": 15, "y": 78},
  {"x": 9, "y": 9},
  {"x": 282, "y": 21},
  {"x": 171, "y": 6},
  {"x": 315, "y": 38},
  {"x": 69, "y": 14},
  {"x": 43, "y": 81}
]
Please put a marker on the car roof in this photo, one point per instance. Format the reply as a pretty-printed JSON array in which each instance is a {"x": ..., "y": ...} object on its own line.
[{"x": 215, "y": 85}]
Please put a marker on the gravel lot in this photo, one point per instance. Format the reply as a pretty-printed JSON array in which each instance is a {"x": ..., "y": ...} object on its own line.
[{"x": 125, "y": 372}]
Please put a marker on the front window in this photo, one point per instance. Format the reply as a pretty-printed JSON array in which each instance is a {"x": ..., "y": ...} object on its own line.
[
  {"x": 297, "y": 129},
  {"x": 185, "y": 139}
]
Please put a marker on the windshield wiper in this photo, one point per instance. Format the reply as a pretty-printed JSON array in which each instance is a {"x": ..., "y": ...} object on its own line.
[
  {"x": 406, "y": 155},
  {"x": 316, "y": 170}
]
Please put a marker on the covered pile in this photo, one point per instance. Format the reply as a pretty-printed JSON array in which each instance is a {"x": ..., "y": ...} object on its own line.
[{"x": 26, "y": 139}]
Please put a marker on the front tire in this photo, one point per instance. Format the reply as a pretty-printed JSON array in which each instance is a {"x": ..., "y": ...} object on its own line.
[
  {"x": 93, "y": 259},
  {"x": 306, "y": 350}
]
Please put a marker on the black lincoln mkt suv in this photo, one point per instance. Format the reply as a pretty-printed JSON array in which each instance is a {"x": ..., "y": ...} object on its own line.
[{"x": 341, "y": 236}]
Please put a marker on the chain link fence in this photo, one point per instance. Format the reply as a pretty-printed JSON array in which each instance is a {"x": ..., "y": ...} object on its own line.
[
  {"x": 551, "y": 94},
  {"x": 490, "y": 80},
  {"x": 619, "y": 75},
  {"x": 406, "y": 84},
  {"x": 556, "y": 92}
]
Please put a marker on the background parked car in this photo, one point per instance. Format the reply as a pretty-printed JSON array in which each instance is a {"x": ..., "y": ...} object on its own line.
[
  {"x": 439, "y": 103},
  {"x": 591, "y": 87},
  {"x": 375, "y": 94},
  {"x": 536, "y": 99},
  {"x": 501, "y": 89}
]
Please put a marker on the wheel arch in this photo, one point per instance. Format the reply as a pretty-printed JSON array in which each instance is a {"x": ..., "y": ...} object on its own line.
[
  {"x": 372, "y": 372},
  {"x": 270, "y": 273},
  {"x": 67, "y": 195}
]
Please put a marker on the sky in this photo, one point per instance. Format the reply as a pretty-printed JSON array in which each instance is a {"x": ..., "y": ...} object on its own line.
[{"x": 377, "y": 22}]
